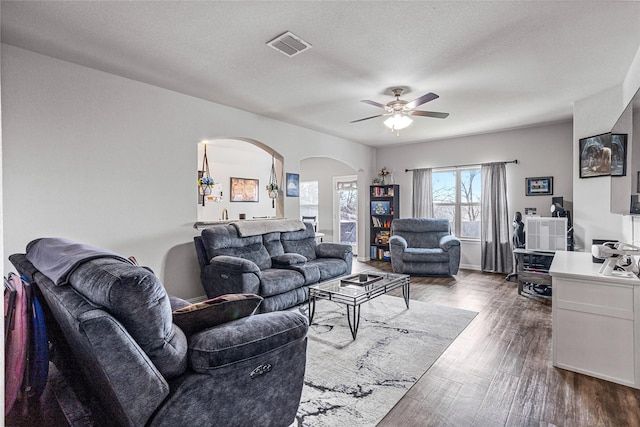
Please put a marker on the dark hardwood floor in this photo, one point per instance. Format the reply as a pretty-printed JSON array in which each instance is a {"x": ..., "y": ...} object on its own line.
[{"x": 499, "y": 371}]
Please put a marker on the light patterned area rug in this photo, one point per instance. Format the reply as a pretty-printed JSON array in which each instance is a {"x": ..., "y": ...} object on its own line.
[{"x": 356, "y": 383}]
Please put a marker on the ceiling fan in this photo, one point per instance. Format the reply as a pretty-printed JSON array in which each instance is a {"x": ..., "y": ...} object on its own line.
[{"x": 399, "y": 111}]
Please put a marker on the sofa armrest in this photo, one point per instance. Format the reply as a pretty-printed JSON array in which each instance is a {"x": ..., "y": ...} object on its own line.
[
  {"x": 448, "y": 242},
  {"x": 244, "y": 339},
  {"x": 261, "y": 387},
  {"x": 112, "y": 359},
  {"x": 234, "y": 264},
  {"x": 230, "y": 275},
  {"x": 333, "y": 250},
  {"x": 400, "y": 241}
]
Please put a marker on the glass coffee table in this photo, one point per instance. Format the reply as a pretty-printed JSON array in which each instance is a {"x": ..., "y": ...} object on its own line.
[{"x": 355, "y": 289}]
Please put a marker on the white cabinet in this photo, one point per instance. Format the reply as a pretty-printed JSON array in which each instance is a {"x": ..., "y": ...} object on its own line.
[{"x": 596, "y": 320}]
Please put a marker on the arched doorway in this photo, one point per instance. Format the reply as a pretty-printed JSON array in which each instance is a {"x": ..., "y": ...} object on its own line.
[{"x": 327, "y": 177}]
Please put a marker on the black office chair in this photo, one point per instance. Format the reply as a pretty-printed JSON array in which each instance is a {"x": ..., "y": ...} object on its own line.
[{"x": 517, "y": 241}]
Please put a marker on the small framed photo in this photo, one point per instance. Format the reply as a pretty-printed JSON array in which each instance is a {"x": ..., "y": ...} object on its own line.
[
  {"x": 244, "y": 190},
  {"x": 380, "y": 208},
  {"x": 539, "y": 186},
  {"x": 293, "y": 185}
]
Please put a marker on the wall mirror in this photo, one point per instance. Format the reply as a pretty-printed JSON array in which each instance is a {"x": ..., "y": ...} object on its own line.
[{"x": 625, "y": 185}]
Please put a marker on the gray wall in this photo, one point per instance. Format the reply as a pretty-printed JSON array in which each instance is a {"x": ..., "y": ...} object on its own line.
[
  {"x": 540, "y": 151},
  {"x": 112, "y": 162}
]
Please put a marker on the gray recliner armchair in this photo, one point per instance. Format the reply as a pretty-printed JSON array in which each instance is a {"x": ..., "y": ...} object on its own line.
[
  {"x": 118, "y": 342},
  {"x": 424, "y": 246}
]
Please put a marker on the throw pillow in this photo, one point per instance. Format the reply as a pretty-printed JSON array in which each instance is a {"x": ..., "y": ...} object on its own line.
[
  {"x": 225, "y": 308},
  {"x": 288, "y": 259}
]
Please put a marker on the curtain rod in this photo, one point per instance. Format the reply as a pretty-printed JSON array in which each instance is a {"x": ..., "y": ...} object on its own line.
[{"x": 462, "y": 166}]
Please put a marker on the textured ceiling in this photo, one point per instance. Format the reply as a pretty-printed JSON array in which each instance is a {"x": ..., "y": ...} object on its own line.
[{"x": 495, "y": 65}]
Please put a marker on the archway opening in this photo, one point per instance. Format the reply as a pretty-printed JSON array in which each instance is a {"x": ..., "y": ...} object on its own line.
[{"x": 240, "y": 168}]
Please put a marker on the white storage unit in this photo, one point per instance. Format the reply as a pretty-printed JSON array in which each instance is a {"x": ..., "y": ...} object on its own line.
[
  {"x": 545, "y": 233},
  {"x": 596, "y": 320}
]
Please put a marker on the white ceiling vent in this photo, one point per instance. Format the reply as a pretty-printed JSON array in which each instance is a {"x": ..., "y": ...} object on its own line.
[{"x": 289, "y": 44}]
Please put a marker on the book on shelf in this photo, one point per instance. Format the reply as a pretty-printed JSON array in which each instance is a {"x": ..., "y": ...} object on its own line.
[
  {"x": 380, "y": 224},
  {"x": 382, "y": 192},
  {"x": 379, "y": 253}
]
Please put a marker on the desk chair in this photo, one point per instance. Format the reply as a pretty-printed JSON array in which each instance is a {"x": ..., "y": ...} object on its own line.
[
  {"x": 312, "y": 220},
  {"x": 517, "y": 241}
]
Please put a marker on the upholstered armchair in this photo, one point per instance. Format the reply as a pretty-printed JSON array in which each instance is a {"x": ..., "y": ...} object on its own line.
[{"x": 424, "y": 246}]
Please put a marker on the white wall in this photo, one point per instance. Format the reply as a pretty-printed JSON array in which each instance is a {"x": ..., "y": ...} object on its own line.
[
  {"x": 112, "y": 162},
  {"x": 540, "y": 151}
]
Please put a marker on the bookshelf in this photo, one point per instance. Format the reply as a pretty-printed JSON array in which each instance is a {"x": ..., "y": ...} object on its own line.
[{"x": 384, "y": 207}]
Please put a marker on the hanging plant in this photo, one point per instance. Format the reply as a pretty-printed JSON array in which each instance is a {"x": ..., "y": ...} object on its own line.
[
  {"x": 272, "y": 186},
  {"x": 206, "y": 181}
]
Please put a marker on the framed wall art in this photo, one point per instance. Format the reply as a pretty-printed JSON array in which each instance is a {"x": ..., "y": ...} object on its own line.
[
  {"x": 244, "y": 190},
  {"x": 293, "y": 185},
  {"x": 539, "y": 186},
  {"x": 595, "y": 156},
  {"x": 618, "y": 154}
]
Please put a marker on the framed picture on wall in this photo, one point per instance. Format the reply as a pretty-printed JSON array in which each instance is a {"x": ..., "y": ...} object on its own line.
[
  {"x": 293, "y": 185},
  {"x": 595, "y": 156},
  {"x": 539, "y": 186},
  {"x": 244, "y": 190},
  {"x": 618, "y": 154}
]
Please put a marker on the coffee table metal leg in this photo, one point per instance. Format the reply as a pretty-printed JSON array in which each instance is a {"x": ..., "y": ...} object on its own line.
[
  {"x": 312, "y": 308},
  {"x": 405, "y": 293},
  {"x": 355, "y": 322}
]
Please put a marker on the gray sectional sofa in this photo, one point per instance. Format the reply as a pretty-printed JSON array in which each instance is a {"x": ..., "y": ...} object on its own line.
[
  {"x": 276, "y": 259},
  {"x": 115, "y": 338}
]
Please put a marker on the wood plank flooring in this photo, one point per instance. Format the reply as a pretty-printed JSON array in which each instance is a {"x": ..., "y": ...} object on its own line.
[{"x": 499, "y": 371}]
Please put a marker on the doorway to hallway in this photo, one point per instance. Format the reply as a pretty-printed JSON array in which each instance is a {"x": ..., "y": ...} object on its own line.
[{"x": 346, "y": 210}]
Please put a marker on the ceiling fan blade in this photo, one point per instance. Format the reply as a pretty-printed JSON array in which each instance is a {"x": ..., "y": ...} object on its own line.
[
  {"x": 374, "y": 103},
  {"x": 429, "y": 114},
  {"x": 423, "y": 99},
  {"x": 366, "y": 118}
]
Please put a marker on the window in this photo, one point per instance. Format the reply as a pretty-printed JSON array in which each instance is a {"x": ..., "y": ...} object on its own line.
[
  {"x": 309, "y": 199},
  {"x": 456, "y": 197}
]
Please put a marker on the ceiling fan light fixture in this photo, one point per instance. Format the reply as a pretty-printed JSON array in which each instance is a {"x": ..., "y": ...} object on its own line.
[{"x": 398, "y": 121}]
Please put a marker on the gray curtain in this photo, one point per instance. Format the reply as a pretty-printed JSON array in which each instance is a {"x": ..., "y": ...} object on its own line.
[
  {"x": 422, "y": 206},
  {"x": 495, "y": 234}
]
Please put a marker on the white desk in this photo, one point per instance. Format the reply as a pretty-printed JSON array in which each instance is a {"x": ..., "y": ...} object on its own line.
[
  {"x": 596, "y": 320},
  {"x": 530, "y": 272}
]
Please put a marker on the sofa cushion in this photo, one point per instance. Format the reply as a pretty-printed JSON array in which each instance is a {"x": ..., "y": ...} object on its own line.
[
  {"x": 200, "y": 316},
  {"x": 137, "y": 299},
  {"x": 272, "y": 243},
  {"x": 287, "y": 259},
  {"x": 247, "y": 338},
  {"x": 224, "y": 240},
  {"x": 300, "y": 242},
  {"x": 275, "y": 281},
  {"x": 311, "y": 272},
  {"x": 330, "y": 267},
  {"x": 425, "y": 255}
]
